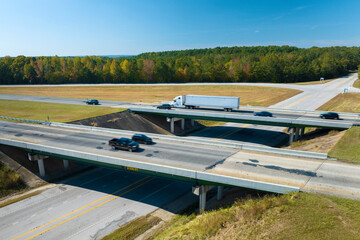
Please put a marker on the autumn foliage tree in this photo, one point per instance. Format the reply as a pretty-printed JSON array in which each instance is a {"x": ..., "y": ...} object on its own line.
[{"x": 276, "y": 64}]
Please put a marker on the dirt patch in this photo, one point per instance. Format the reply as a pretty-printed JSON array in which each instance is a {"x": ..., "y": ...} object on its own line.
[
  {"x": 321, "y": 141},
  {"x": 125, "y": 120}
]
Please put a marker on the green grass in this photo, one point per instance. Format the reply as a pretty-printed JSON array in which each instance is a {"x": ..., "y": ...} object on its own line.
[
  {"x": 134, "y": 228},
  {"x": 347, "y": 102},
  {"x": 347, "y": 149},
  {"x": 357, "y": 83},
  {"x": 56, "y": 112},
  {"x": 296, "y": 216},
  {"x": 10, "y": 181}
]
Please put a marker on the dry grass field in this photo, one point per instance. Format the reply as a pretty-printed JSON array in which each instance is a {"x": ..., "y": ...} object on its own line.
[
  {"x": 255, "y": 96},
  {"x": 56, "y": 112},
  {"x": 347, "y": 102}
]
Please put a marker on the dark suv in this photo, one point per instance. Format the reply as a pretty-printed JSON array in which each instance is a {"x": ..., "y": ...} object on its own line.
[
  {"x": 329, "y": 115},
  {"x": 141, "y": 138},
  {"x": 263, "y": 114},
  {"x": 92, "y": 102},
  {"x": 124, "y": 143},
  {"x": 164, "y": 106}
]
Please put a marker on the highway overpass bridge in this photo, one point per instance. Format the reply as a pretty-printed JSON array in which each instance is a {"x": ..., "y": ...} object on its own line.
[
  {"x": 296, "y": 121},
  {"x": 203, "y": 164}
]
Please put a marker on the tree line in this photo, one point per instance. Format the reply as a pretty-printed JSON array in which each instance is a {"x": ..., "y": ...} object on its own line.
[{"x": 275, "y": 64}]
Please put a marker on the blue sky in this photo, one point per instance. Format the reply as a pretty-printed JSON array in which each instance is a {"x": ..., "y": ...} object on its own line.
[{"x": 89, "y": 27}]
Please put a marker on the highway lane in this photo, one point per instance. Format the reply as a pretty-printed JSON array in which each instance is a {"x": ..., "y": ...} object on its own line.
[
  {"x": 161, "y": 151},
  {"x": 72, "y": 101},
  {"x": 88, "y": 206}
]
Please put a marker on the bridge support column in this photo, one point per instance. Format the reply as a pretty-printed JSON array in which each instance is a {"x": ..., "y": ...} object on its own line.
[
  {"x": 40, "y": 159},
  {"x": 201, "y": 192},
  {"x": 183, "y": 124},
  {"x": 297, "y": 134},
  {"x": 302, "y": 131},
  {"x": 41, "y": 167},
  {"x": 291, "y": 135},
  {"x": 220, "y": 192},
  {"x": 66, "y": 163},
  {"x": 172, "y": 128},
  {"x": 192, "y": 122}
]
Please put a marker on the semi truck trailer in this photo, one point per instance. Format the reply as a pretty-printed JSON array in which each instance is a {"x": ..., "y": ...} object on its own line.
[{"x": 194, "y": 101}]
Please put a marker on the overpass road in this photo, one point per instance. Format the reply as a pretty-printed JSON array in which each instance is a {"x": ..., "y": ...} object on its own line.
[{"x": 54, "y": 212}]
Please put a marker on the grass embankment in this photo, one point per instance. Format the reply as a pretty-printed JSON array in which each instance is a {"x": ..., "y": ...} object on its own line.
[
  {"x": 10, "y": 181},
  {"x": 296, "y": 216},
  {"x": 357, "y": 83},
  {"x": 134, "y": 229},
  {"x": 347, "y": 102},
  {"x": 56, "y": 112},
  {"x": 255, "y": 96},
  {"x": 347, "y": 149}
]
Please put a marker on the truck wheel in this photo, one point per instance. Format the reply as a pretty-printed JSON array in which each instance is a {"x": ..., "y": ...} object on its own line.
[
  {"x": 130, "y": 150},
  {"x": 113, "y": 147}
]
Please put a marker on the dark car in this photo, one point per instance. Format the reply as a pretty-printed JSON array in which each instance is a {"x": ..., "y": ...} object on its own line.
[
  {"x": 92, "y": 102},
  {"x": 263, "y": 114},
  {"x": 141, "y": 138},
  {"x": 164, "y": 106},
  {"x": 123, "y": 143},
  {"x": 329, "y": 115}
]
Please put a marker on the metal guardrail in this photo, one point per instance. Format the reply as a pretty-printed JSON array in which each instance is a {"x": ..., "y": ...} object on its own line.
[
  {"x": 25, "y": 120},
  {"x": 151, "y": 167},
  {"x": 286, "y": 152},
  {"x": 316, "y": 112},
  {"x": 233, "y": 117}
]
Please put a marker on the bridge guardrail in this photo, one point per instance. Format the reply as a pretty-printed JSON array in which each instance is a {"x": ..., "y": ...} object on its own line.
[
  {"x": 286, "y": 152},
  {"x": 233, "y": 117},
  {"x": 152, "y": 167},
  {"x": 318, "y": 112}
]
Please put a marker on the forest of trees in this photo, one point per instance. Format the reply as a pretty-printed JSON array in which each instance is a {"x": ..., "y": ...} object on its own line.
[{"x": 276, "y": 64}]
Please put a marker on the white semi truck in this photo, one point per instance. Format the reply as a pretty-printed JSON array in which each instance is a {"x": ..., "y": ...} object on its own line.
[{"x": 194, "y": 101}]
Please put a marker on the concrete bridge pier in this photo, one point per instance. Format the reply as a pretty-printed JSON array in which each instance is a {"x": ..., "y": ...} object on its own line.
[
  {"x": 172, "y": 123},
  {"x": 302, "y": 131},
  {"x": 40, "y": 159},
  {"x": 297, "y": 130},
  {"x": 66, "y": 164},
  {"x": 183, "y": 124},
  {"x": 220, "y": 192},
  {"x": 201, "y": 191},
  {"x": 291, "y": 135}
]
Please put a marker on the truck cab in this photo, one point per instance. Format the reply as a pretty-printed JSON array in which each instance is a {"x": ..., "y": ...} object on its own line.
[{"x": 178, "y": 102}]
